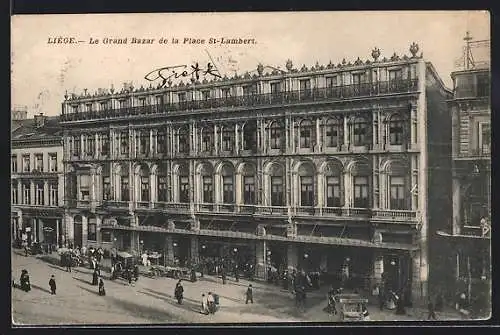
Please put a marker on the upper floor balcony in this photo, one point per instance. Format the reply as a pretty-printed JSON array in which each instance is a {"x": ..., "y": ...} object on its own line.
[
  {"x": 474, "y": 154},
  {"x": 315, "y": 95}
]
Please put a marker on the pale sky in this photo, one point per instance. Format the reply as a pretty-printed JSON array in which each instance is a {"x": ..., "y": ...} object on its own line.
[{"x": 42, "y": 72}]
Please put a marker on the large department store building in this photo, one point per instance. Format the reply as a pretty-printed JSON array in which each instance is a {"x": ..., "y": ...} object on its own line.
[{"x": 324, "y": 168}]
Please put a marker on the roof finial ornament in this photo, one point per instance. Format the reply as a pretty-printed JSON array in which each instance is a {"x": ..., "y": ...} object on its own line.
[
  {"x": 260, "y": 69},
  {"x": 414, "y": 49},
  {"x": 289, "y": 65},
  {"x": 375, "y": 53},
  {"x": 66, "y": 95}
]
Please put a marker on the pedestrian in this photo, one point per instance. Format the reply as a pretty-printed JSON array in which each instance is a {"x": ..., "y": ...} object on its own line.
[
  {"x": 25, "y": 281},
  {"x": 381, "y": 298},
  {"x": 102, "y": 291},
  {"x": 431, "y": 311},
  {"x": 237, "y": 274},
  {"x": 179, "y": 292},
  {"x": 211, "y": 303},
  {"x": 366, "y": 315},
  {"x": 224, "y": 277},
  {"x": 331, "y": 301},
  {"x": 249, "y": 294},
  {"x": 52, "y": 284},
  {"x": 68, "y": 262},
  {"x": 129, "y": 275},
  {"x": 193, "y": 274},
  {"x": 25, "y": 244},
  {"x": 136, "y": 272},
  {"x": 95, "y": 278},
  {"x": 204, "y": 304}
]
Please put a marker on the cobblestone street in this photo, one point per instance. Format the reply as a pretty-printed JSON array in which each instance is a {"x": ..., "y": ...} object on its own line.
[{"x": 152, "y": 301}]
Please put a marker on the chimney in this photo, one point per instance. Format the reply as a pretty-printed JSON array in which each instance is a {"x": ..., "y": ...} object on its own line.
[{"x": 40, "y": 120}]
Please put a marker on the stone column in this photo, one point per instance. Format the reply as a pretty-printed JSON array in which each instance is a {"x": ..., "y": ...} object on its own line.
[
  {"x": 346, "y": 132},
  {"x": 58, "y": 239},
  {"x": 292, "y": 257},
  {"x": 456, "y": 198},
  {"x": 194, "y": 254},
  {"x": 85, "y": 230},
  {"x": 32, "y": 192},
  {"x": 169, "y": 249},
  {"x": 216, "y": 139},
  {"x": 40, "y": 234},
  {"x": 260, "y": 259},
  {"x": 135, "y": 242},
  {"x": 378, "y": 268},
  {"x": 419, "y": 278},
  {"x": 153, "y": 177}
]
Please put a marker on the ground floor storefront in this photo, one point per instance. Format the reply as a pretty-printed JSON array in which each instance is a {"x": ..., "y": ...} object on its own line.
[{"x": 44, "y": 228}]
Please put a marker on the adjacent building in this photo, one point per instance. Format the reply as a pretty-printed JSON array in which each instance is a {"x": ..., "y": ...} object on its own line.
[
  {"x": 36, "y": 179},
  {"x": 468, "y": 234},
  {"x": 338, "y": 168}
]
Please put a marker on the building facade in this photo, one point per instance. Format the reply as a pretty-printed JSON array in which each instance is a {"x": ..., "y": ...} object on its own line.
[
  {"x": 37, "y": 184},
  {"x": 323, "y": 168},
  {"x": 468, "y": 235}
]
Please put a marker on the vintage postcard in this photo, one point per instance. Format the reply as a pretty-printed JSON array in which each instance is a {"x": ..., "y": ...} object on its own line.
[{"x": 204, "y": 168}]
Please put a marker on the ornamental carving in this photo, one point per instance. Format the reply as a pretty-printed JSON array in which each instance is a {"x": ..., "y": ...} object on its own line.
[
  {"x": 414, "y": 49},
  {"x": 289, "y": 65},
  {"x": 375, "y": 53}
]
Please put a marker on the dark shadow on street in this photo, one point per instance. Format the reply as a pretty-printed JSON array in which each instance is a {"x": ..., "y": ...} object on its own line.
[
  {"x": 185, "y": 306},
  {"x": 84, "y": 281},
  {"x": 96, "y": 292},
  {"x": 150, "y": 312},
  {"x": 231, "y": 299},
  {"x": 171, "y": 297},
  {"x": 40, "y": 288}
]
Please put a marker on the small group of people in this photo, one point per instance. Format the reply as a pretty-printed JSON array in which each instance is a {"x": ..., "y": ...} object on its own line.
[{"x": 209, "y": 303}]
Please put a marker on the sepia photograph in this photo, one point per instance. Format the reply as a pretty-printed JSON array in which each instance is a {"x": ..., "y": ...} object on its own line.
[{"x": 250, "y": 167}]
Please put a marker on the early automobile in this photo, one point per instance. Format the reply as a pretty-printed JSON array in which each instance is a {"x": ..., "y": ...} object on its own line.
[
  {"x": 351, "y": 307},
  {"x": 123, "y": 261}
]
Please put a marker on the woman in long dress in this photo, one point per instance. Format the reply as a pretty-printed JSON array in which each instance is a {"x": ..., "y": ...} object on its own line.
[{"x": 94, "y": 278}]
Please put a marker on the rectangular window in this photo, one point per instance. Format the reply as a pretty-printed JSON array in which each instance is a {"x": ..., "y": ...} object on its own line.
[
  {"x": 54, "y": 198},
  {"x": 332, "y": 135},
  {"x": 105, "y": 236},
  {"x": 144, "y": 142},
  {"x": 104, "y": 144},
  {"x": 485, "y": 138},
  {"x": 360, "y": 130},
  {"x": 13, "y": 163},
  {"x": 53, "y": 162},
  {"x": 395, "y": 78},
  {"x": 159, "y": 100},
  {"x": 305, "y": 87},
  {"x": 207, "y": 190},
  {"x": 182, "y": 96},
  {"x": 331, "y": 81},
  {"x": 124, "y": 143},
  {"x": 162, "y": 189},
  {"x": 250, "y": 90},
  {"x": 26, "y": 163},
  {"x": 358, "y": 79},
  {"x": 84, "y": 181},
  {"x": 398, "y": 193},
  {"x": 184, "y": 141},
  {"x": 227, "y": 139},
  {"x": 227, "y": 189},
  {"x": 249, "y": 192},
  {"x": 106, "y": 188},
  {"x": 333, "y": 192},
  {"x": 125, "y": 193},
  {"x": 89, "y": 107},
  {"x": 90, "y": 147},
  {"x": 226, "y": 93},
  {"x": 92, "y": 230},
  {"x": 306, "y": 191},
  {"x": 205, "y": 95},
  {"x": 26, "y": 193},
  {"x": 184, "y": 189},
  {"x": 361, "y": 192},
  {"x": 396, "y": 132},
  {"x": 161, "y": 142},
  {"x": 277, "y": 191},
  {"x": 305, "y": 136},
  {"x": 39, "y": 195},
  {"x": 142, "y": 102},
  {"x": 275, "y": 136},
  {"x": 207, "y": 144},
  {"x": 483, "y": 85},
  {"x": 77, "y": 141},
  {"x": 39, "y": 162},
  {"x": 15, "y": 195},
  {"x": 103, "y": 106},
  {"x": 144, "y": 188},
  {"x": 275, "y": 89}
]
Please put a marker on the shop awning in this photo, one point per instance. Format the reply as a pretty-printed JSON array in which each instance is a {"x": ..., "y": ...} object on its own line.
[{"x": 339, "y": 241}]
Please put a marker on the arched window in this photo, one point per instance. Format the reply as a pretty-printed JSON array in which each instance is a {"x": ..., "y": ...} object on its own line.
[
  {"x": 396, "y": 130},
  {"x": 305, "y": 134},
  {"x": 360, "y": 131},
  {"x": 277, "y": 185},
  {"x": 250, "y": 135},
  {"x": 207, "y": 139},
  {"x": 227, "y": 184},
  {"x": 333, "y": 133},
  {"x": 333, "y": 185},
  {"x": 184, "y": 140},
  {"x": 162, "y": 184},
  {"x": 275, "y": 135},
  {"x": 183, "y": 184},
  {"x": 306, "y": 181},
  {"x": 248, "y": 174}
]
